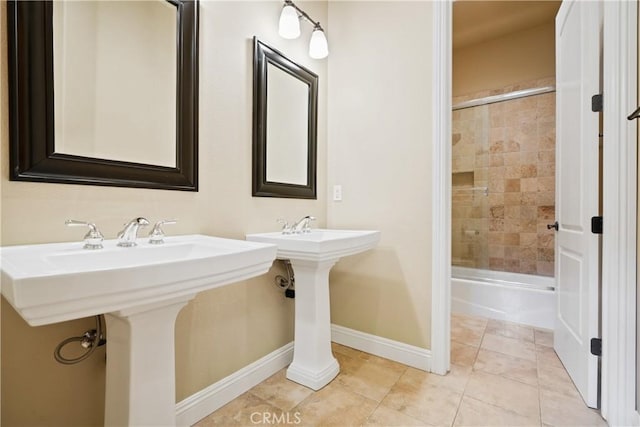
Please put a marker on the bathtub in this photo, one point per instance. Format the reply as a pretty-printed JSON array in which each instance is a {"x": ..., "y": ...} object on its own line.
[{"x": 520, "y": 298}]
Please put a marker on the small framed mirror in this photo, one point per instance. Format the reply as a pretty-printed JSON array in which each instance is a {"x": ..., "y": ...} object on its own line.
[
  {"x": 104, "y": 92},
  {"x": 285, "y": 111}
]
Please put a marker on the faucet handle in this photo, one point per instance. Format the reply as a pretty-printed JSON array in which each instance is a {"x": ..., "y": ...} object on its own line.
[
  {"x": 286, "y": 229},
  {"x": 156, "y": 236},
  {"x": 93, "y": 239},
  {"x": 141, "y": 221},
  {"x": 306, "y": 228}
]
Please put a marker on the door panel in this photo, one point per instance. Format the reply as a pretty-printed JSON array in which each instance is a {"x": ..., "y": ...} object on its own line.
[
  {"x": 578, "y": 25},
  {"x": 570, "y": 275}
]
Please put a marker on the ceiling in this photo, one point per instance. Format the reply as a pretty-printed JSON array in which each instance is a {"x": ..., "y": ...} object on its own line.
[{"x": 475, "y": 21}]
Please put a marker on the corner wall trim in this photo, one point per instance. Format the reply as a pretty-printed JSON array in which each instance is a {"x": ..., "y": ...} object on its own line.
[
  {"x": 619, "y": 262},
  {"x": 202, "y": 403},
  {"x": 441, "y": 187},
  {"x": 407, "y": 354}
]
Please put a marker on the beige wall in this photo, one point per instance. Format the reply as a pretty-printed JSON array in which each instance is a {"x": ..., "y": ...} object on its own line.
[
  {"x": 220, "y": 331},
  {"x": 494, "y": 64},
  {"x": 379, "y": 140}
]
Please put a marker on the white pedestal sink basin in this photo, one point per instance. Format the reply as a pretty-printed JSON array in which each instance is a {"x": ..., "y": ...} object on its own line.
[
  {"x": 312, "y": 255},
  {"x": 141, "y": 289}
]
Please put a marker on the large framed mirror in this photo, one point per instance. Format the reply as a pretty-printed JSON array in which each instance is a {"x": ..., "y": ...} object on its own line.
[
  {"x": 104, "y": 92},
  {"x": 285, "y": 106}
]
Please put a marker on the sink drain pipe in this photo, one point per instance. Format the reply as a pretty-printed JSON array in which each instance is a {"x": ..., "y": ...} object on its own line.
[
  {"x": 90, "y": 340},
  {"x": 287, "y": 283}
]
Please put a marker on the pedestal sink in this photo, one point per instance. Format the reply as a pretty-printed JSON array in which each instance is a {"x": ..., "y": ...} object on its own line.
[
  {"x": 312, "y": 255},
  {"x": 141, "y": 289}
]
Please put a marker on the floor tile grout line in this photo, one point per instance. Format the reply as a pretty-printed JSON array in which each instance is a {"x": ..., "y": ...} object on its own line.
[
  {"x": 509, "y": 410},
  {"x": 453, "y": 421},
  {"x": 484, "y": 332},
  {"x": 379, "y": 403},
  {"x": 473, "y": 366},
  {"x": 464, "y": 390},
  {"x": 501, "y": 376},
  {"x": 517, "y": 341},
  {"x": 538, "y": 381},
  {"x": 388, "y": 391}
]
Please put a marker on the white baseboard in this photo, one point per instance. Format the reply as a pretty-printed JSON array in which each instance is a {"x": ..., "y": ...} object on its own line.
[
  {"x": 199, "y": 405},
  {"x": 410, "y": 355}
]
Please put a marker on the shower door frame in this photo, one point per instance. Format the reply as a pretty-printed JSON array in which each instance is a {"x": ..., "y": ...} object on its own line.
[{"x": 620, "y": 205}]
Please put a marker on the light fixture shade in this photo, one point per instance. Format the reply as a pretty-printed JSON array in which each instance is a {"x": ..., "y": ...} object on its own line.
[
  {"x": 318, "y": 47},
  {"x": 289, "y": 25}
]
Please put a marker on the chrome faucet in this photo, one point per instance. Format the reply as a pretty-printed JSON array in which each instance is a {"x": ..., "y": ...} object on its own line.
[
  {"x": 127, "y": 237},
  {"x": 93, "y": 239},
  {"x": 302, "y": 226}
]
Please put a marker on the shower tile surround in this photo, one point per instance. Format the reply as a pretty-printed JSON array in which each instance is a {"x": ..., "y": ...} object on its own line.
[{"x": 509, "y": 148}]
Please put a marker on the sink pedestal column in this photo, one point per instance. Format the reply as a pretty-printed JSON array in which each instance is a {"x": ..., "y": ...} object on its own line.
[
  {"x": 313, "y": 363},
  {"x": 140, "y": 384}
]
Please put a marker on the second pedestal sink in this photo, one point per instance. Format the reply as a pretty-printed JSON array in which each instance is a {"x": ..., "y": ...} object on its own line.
[
  {"x": 141, "y": 290},
  {"x": 312, "y": 255}
]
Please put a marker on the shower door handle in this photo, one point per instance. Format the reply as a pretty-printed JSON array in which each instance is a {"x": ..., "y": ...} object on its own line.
[{"x": 554, "y": 225}]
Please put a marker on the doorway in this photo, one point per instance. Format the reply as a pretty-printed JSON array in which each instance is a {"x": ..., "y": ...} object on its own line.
[
  {"x": 619, "y": 183},
  {"x": 503, "y": 161},
  {"x": 504, "y": 144}
]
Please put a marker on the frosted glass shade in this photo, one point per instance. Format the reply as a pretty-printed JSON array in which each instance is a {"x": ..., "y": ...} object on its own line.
[
  {"x": 289, "y": 25},
  {"x": 318, "y": 47}
]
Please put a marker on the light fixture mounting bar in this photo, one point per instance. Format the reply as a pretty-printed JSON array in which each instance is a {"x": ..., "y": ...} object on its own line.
[{"x": 303, "y": 14}]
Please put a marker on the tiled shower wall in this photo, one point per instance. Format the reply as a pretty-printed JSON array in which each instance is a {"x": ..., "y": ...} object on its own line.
[{"x": 504, "y": 183}]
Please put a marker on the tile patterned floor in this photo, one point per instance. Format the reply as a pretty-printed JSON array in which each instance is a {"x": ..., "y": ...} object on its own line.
[{"x": 502, "y": 374}]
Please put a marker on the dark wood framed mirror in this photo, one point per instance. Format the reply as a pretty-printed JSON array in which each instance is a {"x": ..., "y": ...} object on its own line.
[
  {"x": 285, "y": 111},
  {"x": 34, "y": 153}
]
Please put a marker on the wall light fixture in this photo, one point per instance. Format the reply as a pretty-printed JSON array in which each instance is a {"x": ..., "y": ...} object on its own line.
[{"x": 289, "y": 28}]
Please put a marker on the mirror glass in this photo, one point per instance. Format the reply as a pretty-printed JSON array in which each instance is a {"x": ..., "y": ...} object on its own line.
[
  {"x": 114, "y": 68},
  {"x": 287, "y": 127},
  {"x": 104, "y": 92},
  {"x": 285, "y": 105}
]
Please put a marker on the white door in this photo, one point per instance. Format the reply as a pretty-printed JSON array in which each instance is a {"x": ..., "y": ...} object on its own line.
[{"x": 578, "y": 46}]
